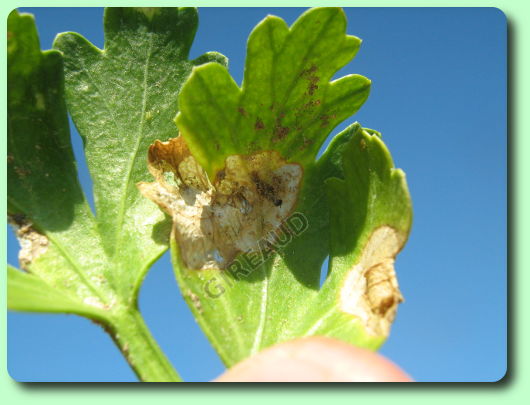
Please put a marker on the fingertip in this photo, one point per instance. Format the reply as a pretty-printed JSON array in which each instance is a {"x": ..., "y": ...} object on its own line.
[{"x": 315, "y": 359}]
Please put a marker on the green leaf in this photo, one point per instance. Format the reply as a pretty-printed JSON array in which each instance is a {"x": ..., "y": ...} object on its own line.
[
  {"x": 28, "y": 292},
  {"x": 256, "y": 303},
  {"x": 286, "y": 102},
  {"x": 255, "y": 215},
  {"x": 370, "y": 219},
  {"x": 120, "y": 98},
  {"x": 46, "y": 205}
]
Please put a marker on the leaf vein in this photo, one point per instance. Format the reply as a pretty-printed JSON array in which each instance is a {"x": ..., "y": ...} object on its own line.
[{"x": 128, "y": 176}]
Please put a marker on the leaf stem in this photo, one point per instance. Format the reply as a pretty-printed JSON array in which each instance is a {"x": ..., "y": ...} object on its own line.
[{"x": 133, "y": 338}]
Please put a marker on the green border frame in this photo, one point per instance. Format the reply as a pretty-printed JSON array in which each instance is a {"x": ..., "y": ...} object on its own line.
[{"x": 510, "y": 389}]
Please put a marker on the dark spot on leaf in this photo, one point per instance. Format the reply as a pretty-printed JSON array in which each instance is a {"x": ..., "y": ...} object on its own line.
[
  {"x": 280, "y": 131},
  {"x": 242, "y": 111},
  {"x": 22, "y": 172},
  {"x": 312, "y": 87},
  {"x": 309, "y": 71},
  {"x": 310, "y": 104},
  {"x": 313, "y": 79},
  {"x": 325, "y": 119},
  {"x": 306, "y": 143},
  {"x": 264, "y": 189},
  {"x": 259, "y": 124},
  {"x": 18, "y": 219},
  {"x": 10, "y": 159}
]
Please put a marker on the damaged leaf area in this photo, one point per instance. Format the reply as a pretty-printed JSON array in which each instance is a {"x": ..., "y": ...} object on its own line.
[
  {"x": 359, "y": 213},
  {"x": 213, "y": 222},
  {"x": 370, "y": 219},
  {"x": 32, "y": 243},
  {"x": 370, "y": 290}
]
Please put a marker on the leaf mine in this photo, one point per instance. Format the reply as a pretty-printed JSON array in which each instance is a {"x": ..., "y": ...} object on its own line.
[
  {"x": 212, "y": 223},
  {"x": 370, "y": 289},
  {"x": 32, "y": 243}
]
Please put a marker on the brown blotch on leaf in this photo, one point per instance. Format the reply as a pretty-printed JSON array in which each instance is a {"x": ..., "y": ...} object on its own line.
[
  {"x": 309, "y": 75},
  {"x": 213, "y": 221},
  {"x": 370, "y": 289},
  {"x": 32, "y": 243},
  {"x": 242, "y": 111},
  {"x": 381, "y": 290},
  {"x": 168, "y": 154}
]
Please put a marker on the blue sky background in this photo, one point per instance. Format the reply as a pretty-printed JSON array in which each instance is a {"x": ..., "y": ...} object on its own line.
[{"x": 439, "y": 98}]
